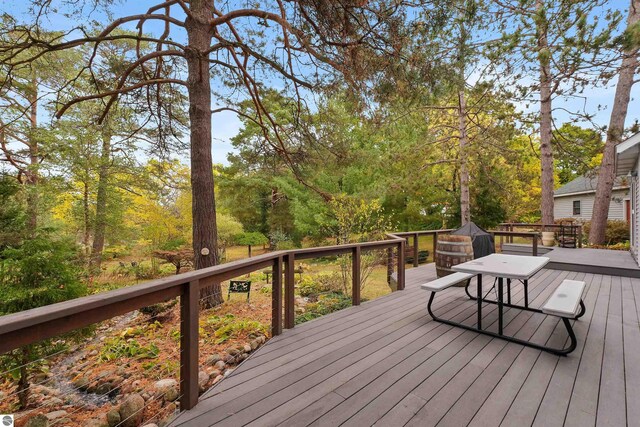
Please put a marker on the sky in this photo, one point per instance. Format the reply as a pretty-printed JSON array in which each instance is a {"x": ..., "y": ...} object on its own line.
[{"x": 226, "y": 124}]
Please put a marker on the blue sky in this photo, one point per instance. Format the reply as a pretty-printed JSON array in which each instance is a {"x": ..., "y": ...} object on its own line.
[{"x": 226, "y": 124}]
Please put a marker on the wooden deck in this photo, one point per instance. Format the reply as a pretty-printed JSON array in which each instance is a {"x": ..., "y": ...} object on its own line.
[{"x": 387, "y": 363}]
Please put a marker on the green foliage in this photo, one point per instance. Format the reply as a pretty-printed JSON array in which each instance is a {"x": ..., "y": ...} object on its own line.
[
  {"x": 251, "y": 238},
  {"x": 617, "y": 232},
  {"x": 327, "y": 303},
  {"x": 319, "y": 283},
  {"x": 224, "y": 328},
  {"x": 119, "y": 347},
  {"x": 12, "y": 212},
  {"x": 41, "y": 271},
  {"x": 577, "y": 151}
]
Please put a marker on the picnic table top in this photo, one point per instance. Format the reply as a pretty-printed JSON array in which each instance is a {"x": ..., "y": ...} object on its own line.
[{"x": 506, "y": 266}]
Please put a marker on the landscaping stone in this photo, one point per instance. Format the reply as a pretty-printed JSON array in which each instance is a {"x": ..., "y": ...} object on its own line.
[
  {"x": 218, "y": 378},
  {"x": 229, "y": 359},
  {"x": 232, "y": 351},
  {"x": 247, "y": 348},
  {"x": 39, "y": 420},
  {"x": 213, "y": 359},
  {"x": 203, "y": 379},
  {"x": 167, "y": 388},
  {"x": 55, "y": 415},
  {"x": 131, "y": 411},
  {"x": 81, "y": 383},
  {"x": 254, "y": 344},
  {"x": 113, "y": 418},
  {"x": 219, "y": 365},
  {"x": 150, "y": 425}
]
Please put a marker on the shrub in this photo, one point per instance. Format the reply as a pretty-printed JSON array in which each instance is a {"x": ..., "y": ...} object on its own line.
[
  {"x": 227, "y": 327},
  {"x": 616, "y": 232},
  {"x": 326, "y": 304},
  {"x": 320, "y": 283},
  {"x": 118, "y": 347}
]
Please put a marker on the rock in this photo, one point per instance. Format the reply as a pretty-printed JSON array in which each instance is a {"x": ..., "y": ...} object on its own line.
[
  {"x": 219, "y": 365},
  {"x": 203, "y": 379},
  {"x": 55, "y": 415},
  {"x": 228, "y": 372},
  {"x": 167, "y": 389},
  {"x": 131, "y": 411},
  {"x": 113, "y": 418},
  {"x": 254, "y": 344},
  {"x": 214, "y": 373},
  {"x": 218, "y": 378},
  {"x": 81, "y": 383},
  {"x": 96, "y": 423},
  {"x": 247, "y": 348},
  {"x": 39, "y": 420},
  {"x": 150, "y": 425},
  {"x": 93, "y": 353},
  {"x": 241, "y": 357},
  {"x": 213, "y": 359},
  {"x": 53, "y": 401},
  {"x": 232, "y": 351},
  {"x": 103, "y": 388}
]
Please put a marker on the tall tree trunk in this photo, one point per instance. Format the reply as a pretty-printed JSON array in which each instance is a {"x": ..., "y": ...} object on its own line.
[
  {"x": 31, "y": 176},
  {"x": 465, "y": 210},
  {"x": 202, "y": 186},
  {"x": 606, "y": 174},
  {"x": 546, "y": 151},
  {"x": 85, "y": 216},
  {"x": 99, "y": 229}
]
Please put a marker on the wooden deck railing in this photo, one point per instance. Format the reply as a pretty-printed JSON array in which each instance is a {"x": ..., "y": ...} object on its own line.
[
  {"x": 30, "y": 326},
  {"x": 511, "y": 226}
]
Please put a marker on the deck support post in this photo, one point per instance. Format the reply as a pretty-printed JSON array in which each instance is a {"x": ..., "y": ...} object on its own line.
[
  {"x": 189, "y": 307},
  {"x": 276, "y": 297},
  {"x": 401, "y": 248},
  {"x": 416, "y": 249},
  {"x": 289, "y": 289},
  {"x": 355, "y": 275}
]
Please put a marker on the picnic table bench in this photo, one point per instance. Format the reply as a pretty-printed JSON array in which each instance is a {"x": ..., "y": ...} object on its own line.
[{"x": 565, "y": 302}]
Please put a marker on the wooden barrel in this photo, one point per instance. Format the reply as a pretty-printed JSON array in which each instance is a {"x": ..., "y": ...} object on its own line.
[{"x": 452, "y": 250}]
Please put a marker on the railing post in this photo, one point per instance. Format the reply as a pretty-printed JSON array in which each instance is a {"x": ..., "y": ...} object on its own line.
[
  {"x": 389, "y": 265},
  {"x": 276, "y": 297},
  {"x": 401, "y": 247},
  {"x": 355, "y": 275},
  {"x": 289, "y": 289},
  {"x": 189, "y": 307},
  {"x": 415, "y": 250},
  {"x": 535, "y": 245},
  {"x": 435, "y": 245}
]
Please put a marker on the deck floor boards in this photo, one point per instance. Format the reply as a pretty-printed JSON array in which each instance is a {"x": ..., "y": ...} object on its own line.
[{"x": 388, "y": 363}]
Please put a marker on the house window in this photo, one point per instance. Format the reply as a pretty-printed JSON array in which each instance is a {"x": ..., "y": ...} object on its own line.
[{"x": 576, "y": 207}]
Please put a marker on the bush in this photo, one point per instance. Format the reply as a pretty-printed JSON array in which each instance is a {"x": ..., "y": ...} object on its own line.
[
  {"x": 616, "y": 232},
  {"x": 326, "y": 304},
  {"x": 320, "y": 283},
  {"x": 226, "y": 327},
  {"x": 118, "y": 347}
]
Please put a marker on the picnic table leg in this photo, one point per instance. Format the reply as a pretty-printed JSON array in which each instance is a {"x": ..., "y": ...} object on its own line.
[
  {"x": 526, "y": 292},
  {"x": 500, "y": 306},
  {"x": 479, "y": 280}
]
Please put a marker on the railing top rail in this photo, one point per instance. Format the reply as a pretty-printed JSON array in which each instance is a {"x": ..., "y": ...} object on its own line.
[
  {"x": 133, "y": 297},
  {"x": 420, "y": 233},
  {"x": 515, "y": 233}
]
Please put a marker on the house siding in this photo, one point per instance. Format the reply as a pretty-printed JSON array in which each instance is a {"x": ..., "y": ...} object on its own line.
[{"x": 563, "y": 205}]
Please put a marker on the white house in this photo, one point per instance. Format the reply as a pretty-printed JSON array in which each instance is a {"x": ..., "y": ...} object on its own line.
[
  {"x": 575, "y": 199},
  {"x": 628, "y": 165}
]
